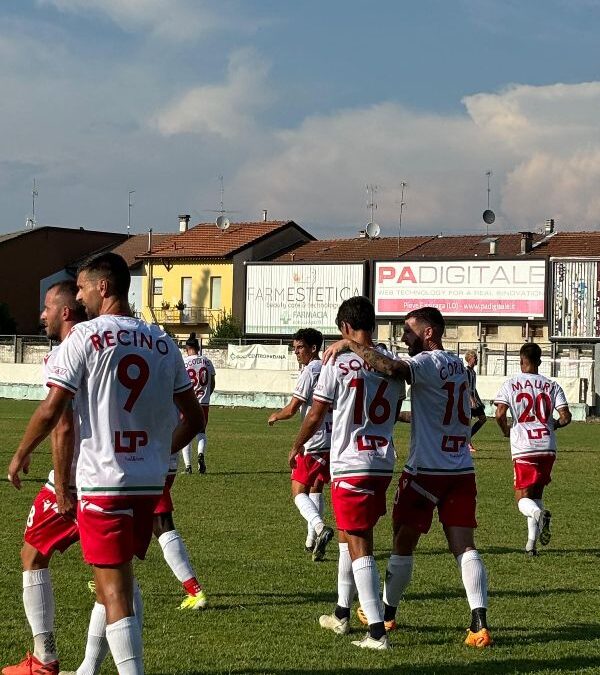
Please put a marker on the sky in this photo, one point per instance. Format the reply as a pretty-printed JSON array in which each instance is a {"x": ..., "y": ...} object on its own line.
[{"x": 299, "y": 106}]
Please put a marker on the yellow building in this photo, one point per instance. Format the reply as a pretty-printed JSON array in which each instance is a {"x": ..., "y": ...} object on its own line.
[{"x": 192, "y": 279}]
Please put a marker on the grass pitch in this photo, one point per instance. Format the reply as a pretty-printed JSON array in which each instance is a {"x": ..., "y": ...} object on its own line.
[{"x": 246, "y": 541}]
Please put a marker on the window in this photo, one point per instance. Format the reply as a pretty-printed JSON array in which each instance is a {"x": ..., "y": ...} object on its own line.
[
  {"x": 186, "y": 291},
  {"x": 451, "y": 331},
  {"x": 215, "y": 292},
  {"x": 489, "y": 330},
  {"x": 535, "y": 330},
  {"x": 157, "y": 286}
]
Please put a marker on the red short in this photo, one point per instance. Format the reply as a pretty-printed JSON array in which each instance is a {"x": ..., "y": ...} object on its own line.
[
  {"x": 46, "y": 530},
  {"x": 358, "y": 503},
  {"x": 530, "y": 471},
  {"x": 311, "y": 467},
  {"x": 114, "y": 529},
  {"x": 417, "y": 496},
  {"x": 165, "y": 503}
]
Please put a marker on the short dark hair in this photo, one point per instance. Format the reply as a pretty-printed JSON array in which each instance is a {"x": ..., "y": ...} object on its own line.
[
  {"x": 430, "y": 316},
  {"x": 358, "y": 312},
  {"x": 110, "y": 266},
  {"x": 532, "y": 353},
  {"x": 67, "y": 290},
  {"x": 192, "y": 342},
  {"x": 311, "y": 336}
]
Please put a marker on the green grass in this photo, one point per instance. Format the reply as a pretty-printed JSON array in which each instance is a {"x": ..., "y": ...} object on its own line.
[{"x": 246, "y": 540}]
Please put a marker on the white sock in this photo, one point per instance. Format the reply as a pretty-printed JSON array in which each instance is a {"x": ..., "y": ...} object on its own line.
[
  {"x": 176, "y": 555},
  {"x": 366, "y": 578},
  {"x": 397, "y": 578},
  {"x": 125, "y": 641},
  {"x": 528, "y": 507},
  {"x": 317, "y": 499},
  {"x": 201, "y": 444},
  {"x": 346, "y": 585},
  {"x": 38, "y": 601},
  {"x": 474, "y": 578},
  {"x": 532, "y": 533},
  {"x": 186, "y": 451},
  {"x": 309, "y": 511},
  {"x": 96, "y": 648}
]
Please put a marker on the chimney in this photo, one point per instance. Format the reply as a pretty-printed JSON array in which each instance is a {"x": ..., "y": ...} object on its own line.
[
  {"x": 549, "y": 226},
  {"x": 526, "y": 242},
  {"x": 184, "y": 222},
  {"x": 493, "y": 246},
  {"x": 150, "y": 240},
  {"x": 264, "y": 215}
]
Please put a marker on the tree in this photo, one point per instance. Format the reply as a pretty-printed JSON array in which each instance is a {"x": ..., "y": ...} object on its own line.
[
  {"x": 8, "y": 326},
  {"x": 227, "y": 328}
]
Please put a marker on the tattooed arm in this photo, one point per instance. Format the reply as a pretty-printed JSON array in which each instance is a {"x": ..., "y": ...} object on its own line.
[{"x": 380, "y": 362}]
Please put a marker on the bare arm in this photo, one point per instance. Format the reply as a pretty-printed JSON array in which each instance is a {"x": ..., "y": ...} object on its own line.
[
  {"x": 286, "y": 413},
  {"x": 62, "y": 439},
  {"x": 192, "y": 421},
  {"x": 43, "y": 420},
  {"x": 501, "y": 410},
  {"x": 380, "y": 362},
  {"x": 311, "y": 423},
  {"x": 564, "y": 417}
]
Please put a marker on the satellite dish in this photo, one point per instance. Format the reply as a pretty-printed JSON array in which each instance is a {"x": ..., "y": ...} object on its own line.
[
  {"x": 372, "y": 230},
  {"x": 222, "y": 223},
  {"x": 489, "y": 216}
]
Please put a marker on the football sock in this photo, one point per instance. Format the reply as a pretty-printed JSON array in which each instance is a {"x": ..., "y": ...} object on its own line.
[
  {"x": 474, "y": 578},
  {"x": 397, "y": 577},
  {"x": 96, "y": 647},
  {"x": 366, "y": 578},
  {"x": 309, "y": 511},
  {"x": 176, "y": 555},
  {"x": 186, "y": 451},
  {"x": 38, "y": 601},
  {"x": 346, "y": 586},
  {"x": 317, "y": 499},
  {"x": 532, "y": 533},
  {"x": 125, "y": 641},
  {"x": 201, "y": 444},
  {"x": 528, "y": 507},
  {"x": 478, "y": 619}
]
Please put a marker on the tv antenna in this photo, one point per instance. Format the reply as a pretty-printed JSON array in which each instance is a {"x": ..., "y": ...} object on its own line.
[
  {"x": 372, "y": 229},
  {"x": 129, "y": 205},
  {"x": 488, "y": 215},
  {"x": 221, "y": 222},
  {"x": 30, "y": 223},
  {"x": 403, "y": 185}
]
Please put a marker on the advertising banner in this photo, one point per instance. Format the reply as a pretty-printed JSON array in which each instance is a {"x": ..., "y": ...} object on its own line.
[
  {"x": 576, "y": 299},
  {"x": 282, "y": 298},
  {"x": 261, "y": 357},
  {"x": 462, "y": 288}
]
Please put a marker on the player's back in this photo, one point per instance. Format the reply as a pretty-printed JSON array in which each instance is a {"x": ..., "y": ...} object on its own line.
[
  {"x": 441, "y": 414},
  {"x": 532, "y": 399},
  {"x": 365, "y": 410},
  {"x": 127, "y": 372},
  {"x": 200, "y": 370}
]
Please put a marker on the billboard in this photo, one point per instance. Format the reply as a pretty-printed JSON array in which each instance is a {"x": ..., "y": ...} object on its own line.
[
  {"x": 576, "y": 299},
  {"x": 512, "y": 289},
  {"x": 282, "y": 298}
]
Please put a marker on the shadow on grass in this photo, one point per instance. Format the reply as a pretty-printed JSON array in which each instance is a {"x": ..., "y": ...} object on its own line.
[
  {"x": 572, "y": 633},
  {"x": 566, "y": 664}
]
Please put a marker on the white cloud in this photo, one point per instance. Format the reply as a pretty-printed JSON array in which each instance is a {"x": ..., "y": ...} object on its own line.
[{"x": 227, "y": 110}]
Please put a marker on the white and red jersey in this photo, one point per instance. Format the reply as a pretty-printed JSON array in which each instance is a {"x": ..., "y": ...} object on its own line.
[
  {"x": 126, "y": 372},
  {"x": 440, "y": 415},
  {"x": 49, "y": 360},
  {"x": 305, "y": 386},
  {"x": 365, "y": 409},
  {"x": 201, "y": 371},
  {"x": 532, "y": 398}
]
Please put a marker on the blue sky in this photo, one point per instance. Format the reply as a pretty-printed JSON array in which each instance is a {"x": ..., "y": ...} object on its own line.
[{"x": 299, "y": 106}]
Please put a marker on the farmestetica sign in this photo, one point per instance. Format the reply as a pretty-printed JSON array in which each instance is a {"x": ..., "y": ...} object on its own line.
[
  {"x": 282, "y": 298},
  {"x": 465, "y": 288}
]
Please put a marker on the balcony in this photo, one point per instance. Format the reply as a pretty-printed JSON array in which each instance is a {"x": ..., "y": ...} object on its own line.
[{"x": 189, "y": 316}]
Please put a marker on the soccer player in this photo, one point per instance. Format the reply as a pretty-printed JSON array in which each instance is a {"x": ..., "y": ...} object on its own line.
[
  {"x": 531, "y": 399},
  {"x": 477, "y": 407},
  {"x": 362, "y": 461},
  {"x": 439, "y": 471},
  {"x": 311, "y": 471},
  {"x": 128, "y": 374},
  {"x": 202, "y": 374},
  {"x": 47, "y": 531}
]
